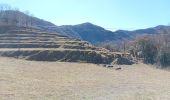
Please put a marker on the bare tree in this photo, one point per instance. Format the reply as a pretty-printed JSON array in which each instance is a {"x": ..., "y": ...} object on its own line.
[{"x": 6, "y": 15}]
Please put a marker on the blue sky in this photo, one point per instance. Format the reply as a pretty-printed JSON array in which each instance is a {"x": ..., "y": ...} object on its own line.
[{"x": 110, "y": 14}]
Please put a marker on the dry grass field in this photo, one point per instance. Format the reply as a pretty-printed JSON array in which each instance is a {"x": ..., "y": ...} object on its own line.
[{"x": 31, "y": 80}]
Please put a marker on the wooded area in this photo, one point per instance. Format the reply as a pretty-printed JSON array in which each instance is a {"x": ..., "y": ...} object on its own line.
[
  {"x": 153, "y": 49},
  {"x": 12, "y": 16}
]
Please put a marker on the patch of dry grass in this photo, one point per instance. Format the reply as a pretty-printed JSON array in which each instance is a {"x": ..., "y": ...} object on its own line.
[{"x": 31, "y": 80}]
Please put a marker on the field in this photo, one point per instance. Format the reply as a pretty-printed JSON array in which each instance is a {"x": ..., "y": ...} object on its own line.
[{"x": 32, "y": 80}]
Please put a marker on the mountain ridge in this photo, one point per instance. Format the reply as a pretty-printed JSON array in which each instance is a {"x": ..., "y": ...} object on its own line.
[
  {"x": 86, "y": 31},
  {"x": 96, "y": 34}
]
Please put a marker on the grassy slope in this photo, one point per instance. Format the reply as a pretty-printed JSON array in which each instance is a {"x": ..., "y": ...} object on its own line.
[{"x": 31, "y": 80}]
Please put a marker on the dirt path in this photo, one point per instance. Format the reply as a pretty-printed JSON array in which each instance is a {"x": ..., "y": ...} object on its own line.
[{"x": 31, "y": 80}]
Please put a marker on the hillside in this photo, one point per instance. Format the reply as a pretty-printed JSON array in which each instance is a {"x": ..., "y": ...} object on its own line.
[
  {"x": 95, "y": 34},
  {"x": 17, "y": 18},
  {"x": 86, "y": 31},
  {"x": 35, "y": 44},
  {"x": 89, "y": 32}
]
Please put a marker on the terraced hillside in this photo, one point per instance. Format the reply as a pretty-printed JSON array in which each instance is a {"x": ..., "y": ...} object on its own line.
[{"x": 34, "y": 44}]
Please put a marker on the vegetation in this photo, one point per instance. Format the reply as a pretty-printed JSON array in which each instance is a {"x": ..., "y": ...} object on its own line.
[
  {"x": 12, "y": 16},
  {"x": 148, "y": 48},
  {"x": 153, "y": 49}
]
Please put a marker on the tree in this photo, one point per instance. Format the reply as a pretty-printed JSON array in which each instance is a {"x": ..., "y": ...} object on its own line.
[
  {"x": 163, "y": 58},
  {"x": 148, "y": 49},
  {"x": 5, "y": 14}
]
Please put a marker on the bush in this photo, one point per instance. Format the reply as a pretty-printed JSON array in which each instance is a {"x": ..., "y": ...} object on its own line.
[
  {"x": 149, "y": 49},
  {"x": 164, "y": 59}
]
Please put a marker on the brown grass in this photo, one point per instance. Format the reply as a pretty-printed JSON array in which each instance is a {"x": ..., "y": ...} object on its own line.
[{"x": 31, "y": 80}]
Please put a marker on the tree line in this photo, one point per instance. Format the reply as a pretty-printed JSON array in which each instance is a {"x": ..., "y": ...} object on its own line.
[
  {"x": 14, "y": 17},
  {"x": 154, "y": 49},
  {"x": 150, "y": 49}
]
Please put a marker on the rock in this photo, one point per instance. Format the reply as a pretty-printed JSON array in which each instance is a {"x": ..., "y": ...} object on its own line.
[
  {"x": 119, "y": 68},
  {"x": 109, "y": 66},
  {"x": 122, "y": 61}
]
